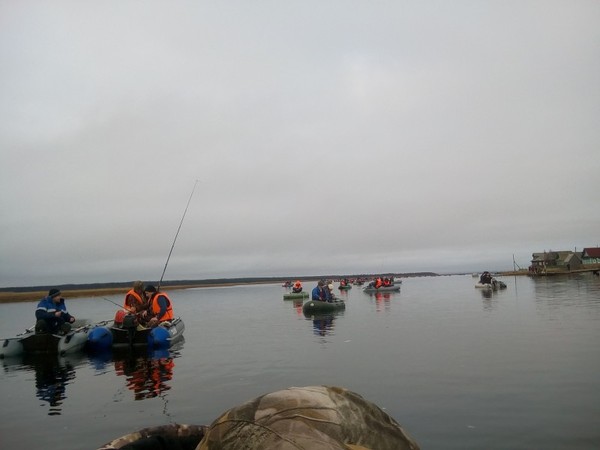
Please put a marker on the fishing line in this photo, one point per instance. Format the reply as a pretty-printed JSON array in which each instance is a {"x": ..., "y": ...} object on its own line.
[
  {"x": 120, "y": 306},
  {"x": 176, "y": 234}
]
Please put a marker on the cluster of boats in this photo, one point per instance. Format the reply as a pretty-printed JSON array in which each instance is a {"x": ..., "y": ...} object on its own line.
[
  {"x": 97, "y": 337},
  {"x": 314, "y": 307}
]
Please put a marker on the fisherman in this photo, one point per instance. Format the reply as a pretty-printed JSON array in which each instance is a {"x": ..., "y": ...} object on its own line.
[
  {"x": 135, "y": 301},
  {"x": 160, "y": 306},
  {"x": 51, "y": 314},
  {"x": 319, "y": 292},
  {"x": 297, "y": 287},
  {"x": 330, "y": 292},
  {"x": 486, "y": 278}
]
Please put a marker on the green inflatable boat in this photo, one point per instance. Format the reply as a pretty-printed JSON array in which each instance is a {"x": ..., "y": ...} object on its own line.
[
  {"x": 295, "y": 295},
  {"x": 317, "y": 306}
]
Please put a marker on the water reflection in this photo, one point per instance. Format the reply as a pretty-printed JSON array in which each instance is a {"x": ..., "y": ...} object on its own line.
[
  {"x": 52, "y": 375},
  {"x": 147, "y": 374},
  {"x": 323, "y": 324},
  {"x": 382, "y": 300},
  {"x": 575, "y": 292},
  {"x": 297, "y": 305}
]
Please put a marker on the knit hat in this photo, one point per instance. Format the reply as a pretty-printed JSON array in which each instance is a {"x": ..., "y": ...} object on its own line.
[
  {"x": 150, "y": 288},
  {"x": 53, "y": 292}
]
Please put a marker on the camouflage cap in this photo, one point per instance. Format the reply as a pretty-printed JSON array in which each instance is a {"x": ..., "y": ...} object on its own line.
[
  {"x": 305, "y": 418},
  {"x": 313, "y": 417}
]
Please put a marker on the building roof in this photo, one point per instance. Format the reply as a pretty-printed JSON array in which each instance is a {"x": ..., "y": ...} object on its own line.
[
  {"x": 551, "y": 256},
  {"x": 591, "y": 252}
]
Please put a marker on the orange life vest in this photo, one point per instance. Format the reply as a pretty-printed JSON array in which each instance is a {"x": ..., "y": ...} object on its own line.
[
  {"x": 155, "y": 307},
  {"x": 136, "y": 296}
]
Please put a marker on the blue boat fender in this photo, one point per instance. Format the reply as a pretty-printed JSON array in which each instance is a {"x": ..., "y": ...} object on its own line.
[
  {"x": 159, "y": 337},
  {"x": 100, "y": 338}
]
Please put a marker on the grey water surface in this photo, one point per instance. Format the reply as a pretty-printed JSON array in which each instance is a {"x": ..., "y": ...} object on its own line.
[{"x": 457, "y": 367}]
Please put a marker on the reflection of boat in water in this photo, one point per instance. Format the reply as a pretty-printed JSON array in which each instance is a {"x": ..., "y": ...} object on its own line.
[
  {"x": 318, "y": 306},
  {"x": 322, "y": 323},
  {"x": 147, "y": 372},
  {"x": 129, "y": 335},
  {"x": 147, "y": 377},
  {"x": 30, "y": 342},
  {"x": 52, "y": 375}
]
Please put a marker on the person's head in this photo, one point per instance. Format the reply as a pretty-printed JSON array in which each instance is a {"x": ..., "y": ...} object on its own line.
[
  {"x": 149, "y": 291},
  {"x": 138, "y": 286},
  {"x": 54, "y": 294},
  {"x": 321, "y": 283}
]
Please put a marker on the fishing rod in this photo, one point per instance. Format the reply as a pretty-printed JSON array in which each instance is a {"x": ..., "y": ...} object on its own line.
[
  {"x": 176, "y": 234},
  {"x": 120, "y": 306}
]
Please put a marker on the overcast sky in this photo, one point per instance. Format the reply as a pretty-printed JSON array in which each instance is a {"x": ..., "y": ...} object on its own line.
[{"x": 328, "y": 137}]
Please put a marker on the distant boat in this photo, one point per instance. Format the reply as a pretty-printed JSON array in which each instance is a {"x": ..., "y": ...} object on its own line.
[
  {"x": 493, "y": 286},
  {"x": 393, "y": 288},
  {"x": 295, "y": 295}
]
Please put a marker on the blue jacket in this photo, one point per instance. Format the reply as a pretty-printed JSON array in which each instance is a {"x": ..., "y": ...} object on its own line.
[
  {"x": 46, "y": 309},
  {"x": 319, "y": 293}
]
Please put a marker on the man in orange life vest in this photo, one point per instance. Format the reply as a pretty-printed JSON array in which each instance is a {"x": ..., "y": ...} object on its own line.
[
  {"x": 135, "y": 302},
  {"x": 160, "y": 306},
  {"x": 297, "y": 287}
]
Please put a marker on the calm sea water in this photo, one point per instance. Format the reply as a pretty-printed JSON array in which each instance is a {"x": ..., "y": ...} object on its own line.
[{"x": 517, "y": 369}]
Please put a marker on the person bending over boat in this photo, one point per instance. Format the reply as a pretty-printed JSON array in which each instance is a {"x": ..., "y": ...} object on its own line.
[
  {"x": 51, "y": 314},
  {"x": 135, "y": 301},
  {"x": 159, "y": 306},
  {"x": 321, "y": 292},
  {"x": 297, "y": 287},
  {"x": 486, "y": 278}
]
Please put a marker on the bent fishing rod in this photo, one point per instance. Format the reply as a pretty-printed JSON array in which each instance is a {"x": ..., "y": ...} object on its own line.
[
  {"x": 176, "y": 234},
  {"x": 114, "y": 303}
]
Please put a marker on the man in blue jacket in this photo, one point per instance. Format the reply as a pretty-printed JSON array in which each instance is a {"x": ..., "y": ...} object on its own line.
[
  {"x": 51, "y": 314},
  {"x": 321, "y": 292}
]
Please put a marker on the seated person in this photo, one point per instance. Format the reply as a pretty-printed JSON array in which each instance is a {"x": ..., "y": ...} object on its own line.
[
  {"x": 297, "y": 287},
  {"x": 160, "y": 306},
  {"x": 486, "y": 278},
  {"x": 51, "y": 314},
  {"x": 320, "y": 292}
]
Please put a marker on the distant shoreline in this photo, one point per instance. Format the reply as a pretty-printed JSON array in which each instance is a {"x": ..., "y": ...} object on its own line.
[
  {"x": 29, "y": 296},
  {"x": 74, "y": 291}
]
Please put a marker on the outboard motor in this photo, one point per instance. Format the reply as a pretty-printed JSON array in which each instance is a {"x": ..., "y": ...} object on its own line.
[{"x": 129, "y": 322}]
